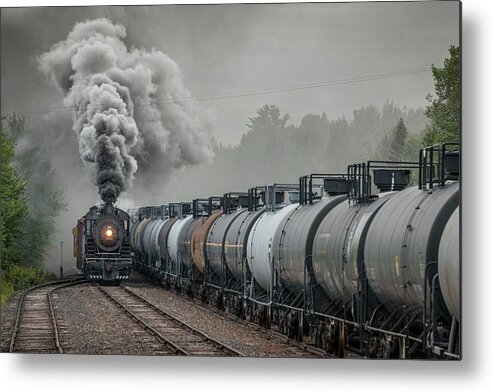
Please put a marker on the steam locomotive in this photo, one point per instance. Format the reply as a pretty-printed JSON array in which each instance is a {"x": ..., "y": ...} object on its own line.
[
  {"x": 102, "y": 244},
  {"x": 359, "y": 261}
]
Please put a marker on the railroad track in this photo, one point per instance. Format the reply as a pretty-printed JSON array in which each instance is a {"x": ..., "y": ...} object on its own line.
[
  {"x": 36, "y": 328},
  {"x": 178, "y": 337}
]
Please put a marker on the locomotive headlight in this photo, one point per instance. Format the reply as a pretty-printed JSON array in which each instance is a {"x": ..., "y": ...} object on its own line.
[{"x": 108, "y": 233}]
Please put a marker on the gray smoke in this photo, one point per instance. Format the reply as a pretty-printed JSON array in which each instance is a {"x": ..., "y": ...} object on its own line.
[{"x": 130, "y": 106}]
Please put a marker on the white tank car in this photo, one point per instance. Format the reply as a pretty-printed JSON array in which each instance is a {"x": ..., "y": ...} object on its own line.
[{"x": 260, "y": 245}]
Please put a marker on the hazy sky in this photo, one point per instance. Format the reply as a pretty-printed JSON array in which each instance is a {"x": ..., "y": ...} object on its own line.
[{"x": 235, "y": 48}]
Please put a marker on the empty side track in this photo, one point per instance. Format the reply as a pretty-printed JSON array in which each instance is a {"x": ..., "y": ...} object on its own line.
[{"x": 36, "y": 328}]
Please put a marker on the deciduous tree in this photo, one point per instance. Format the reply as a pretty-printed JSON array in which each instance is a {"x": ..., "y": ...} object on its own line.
[
  {"x": 444, "y": 107},
  {"x": 13, "y": 202}
]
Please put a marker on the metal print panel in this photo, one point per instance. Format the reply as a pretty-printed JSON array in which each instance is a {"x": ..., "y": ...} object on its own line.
[{"x": 240, "y": 180}]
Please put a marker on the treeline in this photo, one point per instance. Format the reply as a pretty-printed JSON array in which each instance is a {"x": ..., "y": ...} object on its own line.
[
  {"x": 275, "y": 150},
  {"x": 29, "y": 204}
]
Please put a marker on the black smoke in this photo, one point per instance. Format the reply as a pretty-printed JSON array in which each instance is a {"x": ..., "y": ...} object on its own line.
[{"x": 132, "y": 111}]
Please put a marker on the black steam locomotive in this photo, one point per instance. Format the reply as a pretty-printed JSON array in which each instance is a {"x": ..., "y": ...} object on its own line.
[{"x": 102, "y": 244}]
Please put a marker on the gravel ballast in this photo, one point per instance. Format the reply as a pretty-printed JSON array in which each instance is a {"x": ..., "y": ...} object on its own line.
[{"x": 89, "y": 323}]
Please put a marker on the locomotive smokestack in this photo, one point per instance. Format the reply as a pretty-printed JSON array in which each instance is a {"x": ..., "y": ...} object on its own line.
[
  {"x": 108, "y": 208},
  {"x": 131, "y": 107}
]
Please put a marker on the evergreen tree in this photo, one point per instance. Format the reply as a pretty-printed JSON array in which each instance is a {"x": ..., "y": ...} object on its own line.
[{"x": 398, "y": 141}]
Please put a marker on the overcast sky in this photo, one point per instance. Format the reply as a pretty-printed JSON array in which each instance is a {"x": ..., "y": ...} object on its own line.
[{"x": 234, "y": 48}]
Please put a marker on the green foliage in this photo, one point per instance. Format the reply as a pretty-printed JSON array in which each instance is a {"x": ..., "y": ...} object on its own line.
[
  {"x": 30, "y": 201},
  {"x": 444, "y": 109},
  {"x": 44, "y": 200},
  {"x": 21, "y": 277},
  {"x": 13, "y": 202},
  {"x": 6, "y": 291},
  {"x": 17, "y": 277}
]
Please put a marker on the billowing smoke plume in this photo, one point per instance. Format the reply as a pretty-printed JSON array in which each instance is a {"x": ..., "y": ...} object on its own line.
[{"x": 130, "y": 106}]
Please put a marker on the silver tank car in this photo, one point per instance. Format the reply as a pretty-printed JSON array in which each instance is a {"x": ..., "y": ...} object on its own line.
[
  {"x": 139, "y": 232},
  {"x": 147, "y": 241},
  {"x": 338, "y": 248},
  {"x": 151, "y": 244},
  {"x": 217, "y": 236},
  {"x": 176, "y": 243},
  {"x": 235, "y": 243},
  {"x": 260, "y": 245},
  {"x": 163, "y": 236},
  {"x": 292, "y": 244},
  {"x": 402, "y": 238},
  {"x": 133, "y": 233},
  {"x": 449, "y": 265}
]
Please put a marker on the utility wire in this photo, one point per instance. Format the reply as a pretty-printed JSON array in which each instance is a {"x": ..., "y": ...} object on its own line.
[{"x": 265, "y": 91}]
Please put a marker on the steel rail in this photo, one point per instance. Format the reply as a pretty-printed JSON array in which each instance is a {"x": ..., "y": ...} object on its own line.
[
  {"x": 158, "y": 335},
  {"x": 52, "y": 311},
  {"x": 20, "y": 306},
  {"x": 221, "y": 346}
]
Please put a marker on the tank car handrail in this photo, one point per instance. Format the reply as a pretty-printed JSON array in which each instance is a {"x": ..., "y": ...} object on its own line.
[
  {"x": 432, "y": 171},
  {"x": 227, "y": 207},
  {"x": 303, "y": 185},
  {"x": 253, "y": 196},
  {"x": 360, "y": 174}
]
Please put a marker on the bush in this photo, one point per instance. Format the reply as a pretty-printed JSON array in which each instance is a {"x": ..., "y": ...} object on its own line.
[
  {"x": 6, "y": 291},
  {"x": 17, "y": 277}
]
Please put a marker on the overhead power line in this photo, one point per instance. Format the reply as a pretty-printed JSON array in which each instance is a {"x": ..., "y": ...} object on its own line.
[{"x": 264, "y": 91}]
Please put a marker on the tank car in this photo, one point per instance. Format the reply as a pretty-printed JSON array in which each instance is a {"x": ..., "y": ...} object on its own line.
[
  {"x": 198, "y": 243},
  {"x": 235, "y": 243},
  {"x": 182, "y": 270},
  {"x": 449, "y": 265},
  {"x": 162, "y": 243},
  {"x": 102, "y": 244},
  {"x": 449, "y": 270},
  {"x": 291, "y": 251},
  {"x": 215, "y": 246},
  {"x": 260, "y": 247},
  {"x": 228, "y": 273}
]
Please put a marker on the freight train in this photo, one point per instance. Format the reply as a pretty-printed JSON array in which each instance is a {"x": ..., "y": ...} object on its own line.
[
  {"x": 102, "y": 244},
  {"x": 360, "y": 261}
]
